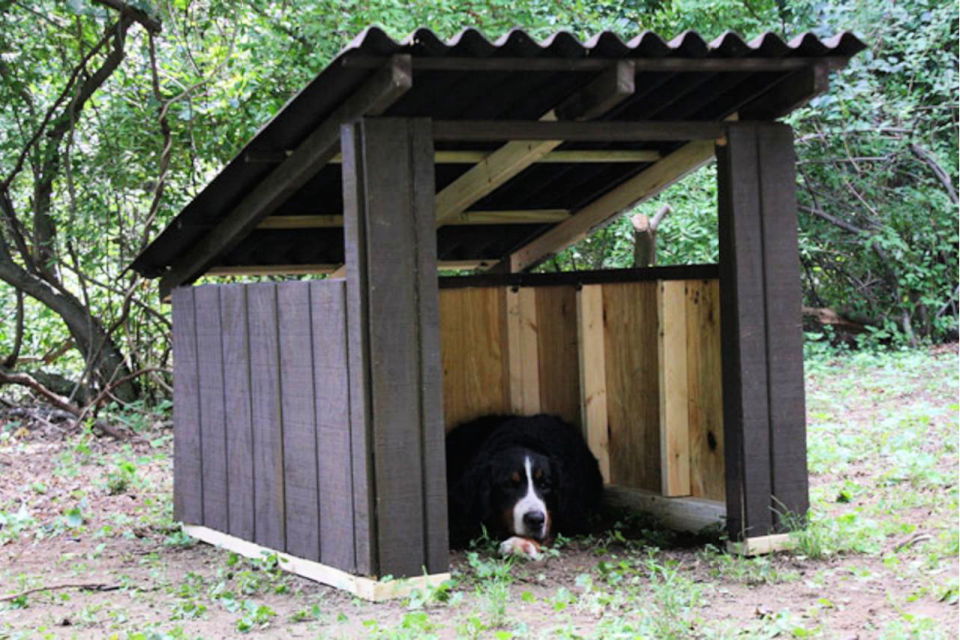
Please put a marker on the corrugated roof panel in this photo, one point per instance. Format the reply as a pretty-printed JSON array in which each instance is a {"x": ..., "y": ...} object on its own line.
[{"x": 516, "y": 93}]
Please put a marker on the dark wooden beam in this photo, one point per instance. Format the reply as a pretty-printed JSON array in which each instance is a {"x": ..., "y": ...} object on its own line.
[
  {"x": 668, "y": 64},
  {"x": 763, "y": 406},
  {"x": 793, "y": 91},
  {"x": 678, "y": 272},
  {"x": 372, "y": 98},
  {"x": 395, "y": 384},
  {"x": 608, "y": 131},
  {"x": 611, "y": 88}
]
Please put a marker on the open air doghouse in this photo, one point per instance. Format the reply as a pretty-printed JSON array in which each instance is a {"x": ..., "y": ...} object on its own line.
[{"x": 310, "y": 415}]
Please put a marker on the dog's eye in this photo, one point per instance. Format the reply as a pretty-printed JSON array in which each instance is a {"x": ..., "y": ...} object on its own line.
[{"x": 515, "y": 479}]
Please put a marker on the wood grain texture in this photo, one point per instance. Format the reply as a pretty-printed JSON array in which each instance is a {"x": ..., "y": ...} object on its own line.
[
  {"x": 523, "y": 351},
  {"x": 187, "y": 448},
  {"x": 705, "y": 389},
  {"x": 213, "y": 417},
  {"x": 641, "y": 187},
  {"x": 593, "y": 377},
  {"x": 674, "y": 421},
  {"x": 295, "y": 329},
  {"x": 473, "y": 340},
  {"x": 388, "y": 215},
  {"x": 269, "y": 500},
  {"x": 331, "y": 398},
  {"x": 633, "y": 394},
  {"x": 788, "y": 452},
  {"x": 558, "y": 354},
  {"x": 237, "y": 398},
  {"x": 744, "y": 336}
]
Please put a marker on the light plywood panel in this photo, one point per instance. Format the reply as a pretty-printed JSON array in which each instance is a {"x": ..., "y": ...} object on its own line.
[
  {"x": 633, "y": 389},
  {"x": 473, "y": 341},
  {"x": 558, "y": 356},
  {"x": 672, "y": 354},
  {"x": 705, "y": 389},
  {"x": 593, "y": 377}
]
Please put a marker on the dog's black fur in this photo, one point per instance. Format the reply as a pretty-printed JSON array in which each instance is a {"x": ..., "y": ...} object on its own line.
[{"x": 484, "y": 458}]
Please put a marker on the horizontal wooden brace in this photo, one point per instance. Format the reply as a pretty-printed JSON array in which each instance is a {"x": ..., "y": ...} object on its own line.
[
  {"x": 573, "y": 156},
  {"x": 324, "y": 220},
  {"x": 308, "y": 269},
  {"x": 667, "y": 64},
  {"x": 604, "y": 131}
]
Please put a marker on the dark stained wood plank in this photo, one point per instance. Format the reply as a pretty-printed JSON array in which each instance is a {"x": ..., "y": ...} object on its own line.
[
  {"x": 236, "y": 380},
  {"x": 429, "y": 362},
  {"x": 746, "y": 417},
  {"x": 784, "y": 330},
  {"x": 633, "y": 387},
  {"x": 295, "y": 330},
  {"x": 213, "y": 427},
  {"x": 393, "y": 300},
  {"x": 394, "y": 342},
  {"x": 270, "y": 519},
  {"x": 358, "y": 349},
  {"x": 331, "y": 397},
  {"x": 187, "y": 450},
  {"x": 559, "y": 355},
  {"x": 598, "y": 131},
  {"x": 673, "y": 272}
]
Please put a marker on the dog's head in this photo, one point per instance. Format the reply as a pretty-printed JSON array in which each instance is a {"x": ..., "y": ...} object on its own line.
[{"x": 520, "y": 494}]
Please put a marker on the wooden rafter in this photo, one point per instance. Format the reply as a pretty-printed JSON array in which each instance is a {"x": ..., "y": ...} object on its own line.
[
  {"x": 321, "y": 221},
  {"x": 645, "y": 185},
  {"x": 468, "y": 156},
  {"x": 372, "y": 98},
  {"x": 666, "y": 64},
  {"x": 606, "y": 131},
  {"x": 598, "y": 97}
]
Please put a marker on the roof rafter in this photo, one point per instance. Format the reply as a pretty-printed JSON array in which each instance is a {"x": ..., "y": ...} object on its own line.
[
  {"x": 647, "y": 184},
  {"x": 602, "y": 94},
  {"x": 374, "y": 97}
]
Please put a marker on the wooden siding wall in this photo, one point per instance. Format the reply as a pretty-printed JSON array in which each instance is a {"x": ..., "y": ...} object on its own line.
[
  {"x": 262, "y": 435},
  {"x": 485, "y": 329}
]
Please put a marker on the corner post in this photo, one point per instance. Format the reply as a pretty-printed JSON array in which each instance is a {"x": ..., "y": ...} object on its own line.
[
  {"x": 761, "y": 335},
  {"x": 395, "y": 377}
]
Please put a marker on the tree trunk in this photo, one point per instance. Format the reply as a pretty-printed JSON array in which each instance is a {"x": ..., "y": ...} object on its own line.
[{"x": 99, "y": 350}]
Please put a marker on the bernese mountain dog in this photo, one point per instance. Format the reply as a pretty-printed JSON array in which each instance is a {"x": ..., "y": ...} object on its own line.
[{"x": 522, "y": 479}]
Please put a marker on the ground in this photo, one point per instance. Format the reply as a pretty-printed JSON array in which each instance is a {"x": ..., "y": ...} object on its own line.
[{"x": 878, "y": 560}]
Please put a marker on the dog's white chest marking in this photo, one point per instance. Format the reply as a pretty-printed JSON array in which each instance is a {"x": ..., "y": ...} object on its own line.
[{"x": 530, "y": 502}]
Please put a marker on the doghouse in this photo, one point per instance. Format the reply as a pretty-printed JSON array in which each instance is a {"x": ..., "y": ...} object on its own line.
[{"x": 310, "y": 415}]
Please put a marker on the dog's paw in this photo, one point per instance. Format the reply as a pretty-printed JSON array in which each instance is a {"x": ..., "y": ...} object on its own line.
[{"x": 516, "y": 545}]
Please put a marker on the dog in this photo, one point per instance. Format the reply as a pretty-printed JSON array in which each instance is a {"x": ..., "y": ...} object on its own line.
[{"x": 522, "y": 479}]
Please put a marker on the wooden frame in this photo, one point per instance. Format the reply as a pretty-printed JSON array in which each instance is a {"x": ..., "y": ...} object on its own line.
[
  {"x": 605, "y": 131},
  {"x": 392, "y": 310},
  {"x": 374, "y": 97},
  {"x": 765, "y": 441}
]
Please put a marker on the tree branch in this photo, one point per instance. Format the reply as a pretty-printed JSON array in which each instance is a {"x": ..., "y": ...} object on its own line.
[{"x": 152, "y": 25}]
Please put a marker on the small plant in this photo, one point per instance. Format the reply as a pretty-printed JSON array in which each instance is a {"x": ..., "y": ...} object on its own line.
[{"x": 120, "y": 479}]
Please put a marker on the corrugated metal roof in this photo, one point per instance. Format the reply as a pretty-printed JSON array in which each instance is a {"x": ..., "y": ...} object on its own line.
[{"x": 707, "y": 92}]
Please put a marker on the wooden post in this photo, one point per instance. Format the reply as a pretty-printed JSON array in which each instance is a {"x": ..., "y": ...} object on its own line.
[
  {"x": 763, "y": 403},
  {"x": 674, "y": 420},
  {"x": 593, "y": 375},
  {"x": 394, "y": 347}
]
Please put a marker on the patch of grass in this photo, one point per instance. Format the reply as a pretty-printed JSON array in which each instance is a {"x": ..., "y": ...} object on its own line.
[{"x": 743, "y": 570}]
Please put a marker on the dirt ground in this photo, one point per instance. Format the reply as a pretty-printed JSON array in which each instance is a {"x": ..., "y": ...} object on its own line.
[{"x": 88, "y": 550}]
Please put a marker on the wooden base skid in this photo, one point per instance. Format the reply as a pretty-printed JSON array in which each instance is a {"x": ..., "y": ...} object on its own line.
[
  {"x": 682, "y": 514},
  {"x": 760, "y": 545},
  {"x": 360, "y": 586}
]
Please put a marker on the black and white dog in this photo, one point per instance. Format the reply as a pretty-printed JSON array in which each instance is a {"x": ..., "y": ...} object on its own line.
[{"x": 523, "y": 479}]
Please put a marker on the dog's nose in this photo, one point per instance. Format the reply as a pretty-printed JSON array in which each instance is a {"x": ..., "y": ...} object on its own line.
[{"x": 534, "y": 519}]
